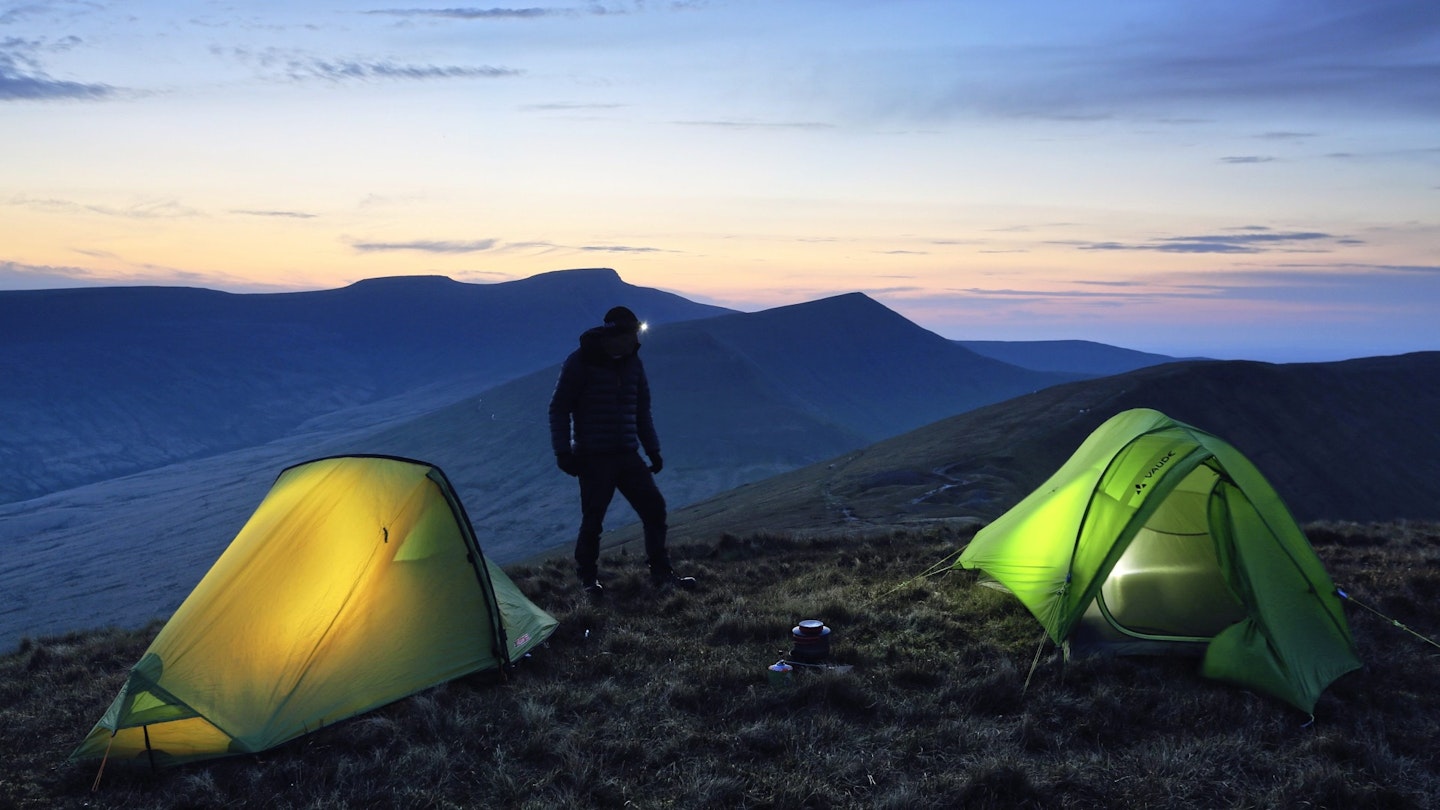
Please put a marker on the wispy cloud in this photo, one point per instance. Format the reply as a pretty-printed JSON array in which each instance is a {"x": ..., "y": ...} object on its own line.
[
  {"x": 472, "y": 13},
  {"x": 278, "y": 214},
  {"x": 339, "y": 70},
  {"x": 1397, "y": 288},
  {"x": 1345, "y": 290},
  {"x": 1406, "y": 286},
  {"x": 426, "y": 246},
  {"x": 479, "y": 245},
  {"x": 1352, "y": 270},
  {"x": 1247, "y": 159},
  {"x": 23, "y": 79},
  {"x": 147, "y": 209},
  {"x": 1248, "y": 240},
  {"x": 154, "y": 209},
  {"x": 1126, "y": 292},
  {"x": 17, "y": 276},
  {"x": 803, "y": 125},
  {"x": 301, "y": 67},
  {"x": 569, "y": 107},
  {"x": 20, "y": 276},
  {"x": 1425, "y": 153},
  {"x": 896, "y": 291},
  {"x": 532, "y": 13},
  {"x": 1336, "y": 55},
  {"x": 546, "y": 247},
  {"x": 620, "y": 249}
]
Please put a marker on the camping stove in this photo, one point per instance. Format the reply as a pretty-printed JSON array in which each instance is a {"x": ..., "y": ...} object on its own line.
[{"x": 810, "y": 640}]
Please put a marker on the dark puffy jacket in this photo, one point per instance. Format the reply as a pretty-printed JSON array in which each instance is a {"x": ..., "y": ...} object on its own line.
[{"x": 601, "y": 403}]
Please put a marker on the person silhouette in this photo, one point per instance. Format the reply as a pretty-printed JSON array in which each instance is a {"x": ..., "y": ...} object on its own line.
[{"x": 600, "y": 420}]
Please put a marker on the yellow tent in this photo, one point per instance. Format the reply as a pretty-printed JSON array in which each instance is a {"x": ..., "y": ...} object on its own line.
[{"x": 357, "y": 581}]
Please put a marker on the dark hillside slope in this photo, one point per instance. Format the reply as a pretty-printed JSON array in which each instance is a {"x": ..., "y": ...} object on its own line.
[
  {"x": 495, "y": 447},
  {"x": 105, "y": 382},
  {"x": 737, "y": 398},
  {"x": 1355, "y": 440}
]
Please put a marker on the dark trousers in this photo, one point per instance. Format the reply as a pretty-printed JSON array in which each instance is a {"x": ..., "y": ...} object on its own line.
[{"x": 600, "y": 476}]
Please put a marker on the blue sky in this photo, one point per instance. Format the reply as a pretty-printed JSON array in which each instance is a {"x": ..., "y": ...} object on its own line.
[{"x": 1252, "y": 179}]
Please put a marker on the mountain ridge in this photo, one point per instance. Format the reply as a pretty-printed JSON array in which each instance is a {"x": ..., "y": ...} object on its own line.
[{"x": 104, "y": 382}]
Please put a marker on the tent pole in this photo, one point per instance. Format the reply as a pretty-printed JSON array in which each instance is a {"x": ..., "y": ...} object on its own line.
[
  {"x": 96, "y": 786},
  {"x": 477, "y": 561},
  {"x": 1044, "y": 637},
  {"x": 149, "y": 752}
]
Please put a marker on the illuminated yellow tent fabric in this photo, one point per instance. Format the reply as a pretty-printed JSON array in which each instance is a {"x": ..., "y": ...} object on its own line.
[
  {"x": 1156, "y": 536},
  {"x": 357, "y": 581}
]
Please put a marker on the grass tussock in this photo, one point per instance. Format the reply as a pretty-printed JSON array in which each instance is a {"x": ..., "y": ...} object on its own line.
[{"x": 663, "y": 701}]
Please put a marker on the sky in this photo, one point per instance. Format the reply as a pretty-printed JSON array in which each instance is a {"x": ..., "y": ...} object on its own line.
[{"x": 1239, "y": 179}]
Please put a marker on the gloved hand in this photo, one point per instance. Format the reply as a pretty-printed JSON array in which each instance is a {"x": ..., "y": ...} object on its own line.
[
  {"x": 568, "y": 463},
  {"x": 656, "y": 464}
]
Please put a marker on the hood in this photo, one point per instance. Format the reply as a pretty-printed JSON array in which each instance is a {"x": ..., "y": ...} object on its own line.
[{"x": 591, "y": 347}]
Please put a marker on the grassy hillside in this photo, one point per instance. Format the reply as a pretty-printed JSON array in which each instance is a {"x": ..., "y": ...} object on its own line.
[
  {"x": 1354, "y": 440},
  {"x": 662, "y": 700}
]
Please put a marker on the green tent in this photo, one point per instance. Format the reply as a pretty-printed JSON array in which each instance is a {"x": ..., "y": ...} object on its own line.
[
  {"x": 1158, "y": 537},
  {"x": 357, "y": 581}
]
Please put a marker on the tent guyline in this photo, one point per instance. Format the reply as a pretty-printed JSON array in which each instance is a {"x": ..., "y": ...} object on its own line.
[{"x": 1395, "y": 622}]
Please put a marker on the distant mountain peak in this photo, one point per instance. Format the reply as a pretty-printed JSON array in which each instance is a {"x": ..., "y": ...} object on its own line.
[
  {"x": 582, "y": 273},
  {"x": 590, "y": 277},
  {"x": 852, "y": 300},
  {"x": 412, "y": 282},
  {"x": 856, "y": 314},
  {"x": 840, "y": 299},
  {"x": 835, "y": 306}
]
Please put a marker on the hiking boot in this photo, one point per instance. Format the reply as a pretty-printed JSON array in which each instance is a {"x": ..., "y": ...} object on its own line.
[
  {"x": 592, "y": 588},
  {"x": 669, "y": 579}
]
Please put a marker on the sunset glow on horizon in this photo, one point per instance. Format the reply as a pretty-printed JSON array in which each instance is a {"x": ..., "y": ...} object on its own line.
[{"x": 1256, "y": 180}]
